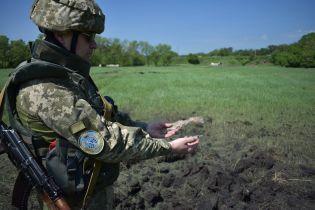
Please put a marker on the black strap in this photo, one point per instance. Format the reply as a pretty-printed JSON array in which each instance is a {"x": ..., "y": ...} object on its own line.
[
  {"x": 50, "y": 37},
  {"x": 74, "y": 42}
]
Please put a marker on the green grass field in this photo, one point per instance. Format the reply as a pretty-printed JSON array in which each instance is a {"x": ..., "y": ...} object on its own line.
[
  {"x": 270, "y": 93},
  {"x": 273, "y": 94},
  {"x": 267, "y": 97}
]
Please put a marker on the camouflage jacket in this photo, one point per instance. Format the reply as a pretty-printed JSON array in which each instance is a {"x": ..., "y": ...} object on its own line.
[{"x": 57, "y": 108}]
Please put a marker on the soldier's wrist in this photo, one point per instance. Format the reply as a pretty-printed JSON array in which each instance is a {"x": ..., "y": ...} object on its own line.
[{"x": 167, "y": 147}]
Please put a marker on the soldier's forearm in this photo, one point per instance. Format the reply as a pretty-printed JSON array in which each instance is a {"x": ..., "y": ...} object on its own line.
[
  {"x": 126, "y": 143},
  {"x": 125, "y": 119}
]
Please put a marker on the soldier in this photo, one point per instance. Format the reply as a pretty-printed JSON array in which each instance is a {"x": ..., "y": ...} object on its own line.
[{"x": 79, "y": 136}]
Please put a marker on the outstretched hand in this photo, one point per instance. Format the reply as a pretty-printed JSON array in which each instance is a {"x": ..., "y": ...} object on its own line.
[
  {"x": 185, "y": 145},
  {"x": 161, "y": 130}
]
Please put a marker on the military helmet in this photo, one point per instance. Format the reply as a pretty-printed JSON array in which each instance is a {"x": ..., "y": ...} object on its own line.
[{"x": 68, "y": 15}]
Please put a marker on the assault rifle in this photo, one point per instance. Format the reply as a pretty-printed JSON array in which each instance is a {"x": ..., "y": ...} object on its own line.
[{"x": 31, "y": 172}]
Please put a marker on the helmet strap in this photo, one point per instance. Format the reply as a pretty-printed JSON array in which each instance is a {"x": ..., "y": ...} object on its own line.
[
  {"x": 50, "y": 37},
  {"x": 74, "y": 41}
]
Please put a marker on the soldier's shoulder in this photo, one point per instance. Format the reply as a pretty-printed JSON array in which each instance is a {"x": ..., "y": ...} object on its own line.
[
  {"x": 47, "y": 86},
  {"x": 37, "y": 94}
]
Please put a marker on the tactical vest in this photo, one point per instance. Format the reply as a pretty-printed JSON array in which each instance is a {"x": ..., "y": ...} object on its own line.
[{"x": 65, "y": 162}]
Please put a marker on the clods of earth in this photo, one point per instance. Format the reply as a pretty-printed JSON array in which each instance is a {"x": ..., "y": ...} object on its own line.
[{"x": 231, "y": 170}]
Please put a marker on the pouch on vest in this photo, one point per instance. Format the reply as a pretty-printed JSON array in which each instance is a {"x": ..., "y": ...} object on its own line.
[
  {"x": 108, "y": 174},
  {"x": 65, "y": 164}
]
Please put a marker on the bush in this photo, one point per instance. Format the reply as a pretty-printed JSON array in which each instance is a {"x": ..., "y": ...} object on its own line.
[{"x": 193, "y": 59}]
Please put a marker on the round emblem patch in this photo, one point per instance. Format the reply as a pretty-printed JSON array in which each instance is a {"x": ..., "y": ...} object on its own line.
[{"x": 91, "y": 142}]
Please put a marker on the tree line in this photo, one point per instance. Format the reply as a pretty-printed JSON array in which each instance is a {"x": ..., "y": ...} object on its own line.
[
  {"x": 299, "y": 54},
  {"x": 109, "y": 51},
  {"x": 131, "y": 53},
  {"x": 139, "y": 53}
]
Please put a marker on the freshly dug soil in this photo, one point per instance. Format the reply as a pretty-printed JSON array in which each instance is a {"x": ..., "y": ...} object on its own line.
[
  {"x": 233, "y": 169},
  {"x": 228, "y": 172},
  {"x": 254, "y": 183}
]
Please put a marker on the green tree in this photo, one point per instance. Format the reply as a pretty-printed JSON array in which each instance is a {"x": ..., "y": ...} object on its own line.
[
  {"x": 4, "y": 48},
  {"x": 18, "y": 52},
  {"x": 96, "y": 59},
  {"x": 222, "y": 52},
  {"x": 155, "y": 57},
  {"x": 307, "y": 44},
  {"x": 133, "y": 52},
  {"x": 300, "y": 54},
  {"x": 102, "y": 54},
  {"x": 164, "y": 54},
  {"x": 146, "y": 50}
]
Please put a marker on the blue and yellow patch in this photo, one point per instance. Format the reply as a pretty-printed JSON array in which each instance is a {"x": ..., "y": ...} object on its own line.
[{"x": 91, "y": 142}]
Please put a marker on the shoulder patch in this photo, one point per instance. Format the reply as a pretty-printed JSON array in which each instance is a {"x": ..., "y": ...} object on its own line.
[
  {"x": 77, "y": 127},
  {"x": 91, "y": 142}
]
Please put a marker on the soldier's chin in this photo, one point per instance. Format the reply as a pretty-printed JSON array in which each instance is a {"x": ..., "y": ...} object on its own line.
[{"x": 88, "y": 57}]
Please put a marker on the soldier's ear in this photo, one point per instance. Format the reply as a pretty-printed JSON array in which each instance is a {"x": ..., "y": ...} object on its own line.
[
  {"x": 59, "y": 37},
  {"x": 64, "y": 38}
]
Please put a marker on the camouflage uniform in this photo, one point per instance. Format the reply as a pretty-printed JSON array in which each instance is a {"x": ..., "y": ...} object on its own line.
[
  {"x": 58, "y": 109},
  {"x": 71, "y": 111},
  {"x": 58, "y": 105}
]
